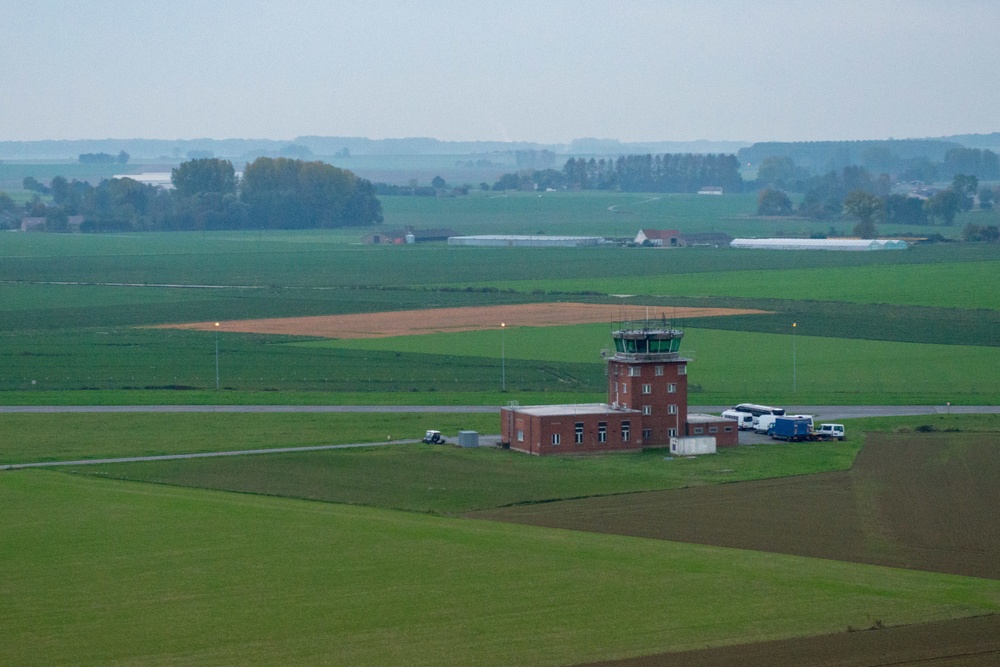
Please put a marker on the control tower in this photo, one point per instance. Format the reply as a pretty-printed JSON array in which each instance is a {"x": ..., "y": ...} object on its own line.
[{"x": 647, "y": 373}]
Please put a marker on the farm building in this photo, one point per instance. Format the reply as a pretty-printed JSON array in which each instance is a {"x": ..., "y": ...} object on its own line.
[
  {"x": 647, "y": 404},
  {"x": 666, "y": 238},
  {"x": 532, "y": 241},
  {"x": 408, "y": 235},
  {"x": 820, "y": 244}
]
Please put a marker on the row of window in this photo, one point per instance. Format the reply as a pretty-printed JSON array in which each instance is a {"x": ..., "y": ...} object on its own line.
[
  {"x": 648, "y": 388},
  {"x": 636, "y": 371},
  {"x": 602, "y": 432}
]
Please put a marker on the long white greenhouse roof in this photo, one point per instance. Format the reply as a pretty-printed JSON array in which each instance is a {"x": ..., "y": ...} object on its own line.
[
  {"x": 820, "y": 244},
  {"x": 524, "y": 240}
]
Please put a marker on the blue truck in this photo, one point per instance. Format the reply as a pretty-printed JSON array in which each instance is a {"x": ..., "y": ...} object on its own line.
[
  {"x": 799, "y": 428},
  {"x": 791, "y": 428}
]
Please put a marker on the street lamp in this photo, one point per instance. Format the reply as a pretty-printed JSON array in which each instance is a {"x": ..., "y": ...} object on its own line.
[
  {"x": 793, "y": 357},
  {"x": 217, "y": 356},
  {"x": 503, "y": 357}
]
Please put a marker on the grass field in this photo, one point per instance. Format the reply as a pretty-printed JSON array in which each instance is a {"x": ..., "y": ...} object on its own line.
[
  {"x": 730, "y": 364},
  {"x": 99, "y": 570},
  {"x": 143, "y": 577},
  {"x": 953, "y": 285},
  {"x": 62, "y": 437}
]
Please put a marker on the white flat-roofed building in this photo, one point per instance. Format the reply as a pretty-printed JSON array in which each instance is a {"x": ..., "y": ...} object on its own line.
[
  {"x": 820, "y": 244},
  {"x": 525, "y": 241}
]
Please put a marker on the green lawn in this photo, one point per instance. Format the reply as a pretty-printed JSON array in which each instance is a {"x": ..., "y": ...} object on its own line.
[
  {"x": 102, "y": 572},
  {"x": 949, "y": 285},
  {"x": 728, "y": 364},
  {"x": 72, "y": 436}
]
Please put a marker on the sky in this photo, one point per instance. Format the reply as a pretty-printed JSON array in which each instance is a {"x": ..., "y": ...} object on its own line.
[{"x": 543, "y": 71}]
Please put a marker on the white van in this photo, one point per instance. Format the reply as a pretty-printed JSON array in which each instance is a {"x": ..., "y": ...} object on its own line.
[
  {"x": 763, "y": 423},
  {"x": 744, "y": 420}
]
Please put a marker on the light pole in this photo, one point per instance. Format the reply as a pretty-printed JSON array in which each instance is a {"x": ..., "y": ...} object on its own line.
[
  {"x": 503, "y": 357},
  {"x": 216, "y": 356},
  {"x": 793, "y": 357}
]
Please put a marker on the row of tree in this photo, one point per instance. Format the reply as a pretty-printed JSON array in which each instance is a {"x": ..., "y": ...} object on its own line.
[
  {"x": 633, "y": 173},
  {"x": 856, "y": 194},
  {"x": 273, "y": 193}
]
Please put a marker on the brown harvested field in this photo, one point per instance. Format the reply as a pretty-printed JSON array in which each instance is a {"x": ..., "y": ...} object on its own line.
[
  {"x": 442, "y": 320},
  {"x": 919, "y": 501},
  {"x": 968, "y": 642}
]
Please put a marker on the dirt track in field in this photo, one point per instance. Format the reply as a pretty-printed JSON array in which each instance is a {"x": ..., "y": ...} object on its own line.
[
  {"x": 918, "y": 501},
  {"x": 442, "y": 320}
]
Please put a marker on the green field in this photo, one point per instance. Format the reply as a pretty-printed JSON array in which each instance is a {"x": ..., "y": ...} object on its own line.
[
  {"x": 100, "y": 572},
  {"x": 69, "y": 436},
  {"x": 355, "y": 556}
]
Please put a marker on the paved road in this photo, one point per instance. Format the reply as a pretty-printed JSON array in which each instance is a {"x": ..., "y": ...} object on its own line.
[{"x": 825, "y": 412}]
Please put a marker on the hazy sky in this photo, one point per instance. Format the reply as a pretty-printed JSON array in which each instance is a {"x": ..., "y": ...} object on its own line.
[{"x": 546, "y": 71}]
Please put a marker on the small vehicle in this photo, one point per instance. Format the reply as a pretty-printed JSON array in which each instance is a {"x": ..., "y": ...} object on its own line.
[
  {"x": 791, "y": 428},
  {"x": 763, "y": 423},
  {"x": 744, "y": 420},
  {"x": 434, "y": 438},
  {"x": 830, "y": 431}
]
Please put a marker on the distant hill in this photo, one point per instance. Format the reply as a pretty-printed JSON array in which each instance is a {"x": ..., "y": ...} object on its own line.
[{"x": 306, "y": 146}]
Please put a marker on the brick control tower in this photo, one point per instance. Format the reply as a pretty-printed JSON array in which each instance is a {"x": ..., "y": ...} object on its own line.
[{"x": 648, "y": 374}]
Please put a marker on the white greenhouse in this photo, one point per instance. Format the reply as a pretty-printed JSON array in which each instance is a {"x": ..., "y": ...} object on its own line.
[
  {"x": 536, "y": 241},
  {"x": 820, "y": 244}
]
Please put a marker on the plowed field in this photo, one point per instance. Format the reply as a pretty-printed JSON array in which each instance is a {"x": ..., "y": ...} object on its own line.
[
  {"x": 919, "y": 501},
  {"x": 441, "y": 320}
]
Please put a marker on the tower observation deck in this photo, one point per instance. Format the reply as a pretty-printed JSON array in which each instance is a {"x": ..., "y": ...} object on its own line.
[{"x": 647, "y": 340}]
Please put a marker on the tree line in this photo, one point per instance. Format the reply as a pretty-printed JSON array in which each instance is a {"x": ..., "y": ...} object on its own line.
[
  {"x": 856, "y": 193},
  {"x": 633, "y": 173},
  {"x": 273, "y": 193}
]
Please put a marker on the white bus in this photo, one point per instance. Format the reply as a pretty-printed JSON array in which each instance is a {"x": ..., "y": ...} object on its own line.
[{"x": 758, "y": 410}]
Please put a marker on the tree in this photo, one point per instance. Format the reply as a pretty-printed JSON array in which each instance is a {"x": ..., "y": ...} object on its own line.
[
  {"x": 438, "y": 183},
  {"x": 867, "y": 208},
  {"x": 281, "y": 193},
  {"x": 986, "y": 198},
  {"x": 965, "y": 187},
  {"x": 903, "y": 210},
  {"x": 773, "y": 202},
  {"x": 779, "y": 171},
  {"x": 945, "y": 205},
  {"x": 34, "y": 185},
  {"x": 204, "y": 175},
  {"x": 122, "y": 157}
]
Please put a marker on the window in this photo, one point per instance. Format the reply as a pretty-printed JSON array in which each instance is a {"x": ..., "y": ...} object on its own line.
[
  {"x": 671, "y": 409},
  {"x": 578, "y": 435},
  {"x": 520, "y": 435},
  {"x": 624, "y": 388},
  {"x": 671, "y": 433},
  {"x": 659, "y": 371},
  {"x": 682, "y": 369},
  {"x": 635, "y": 371},
  {"x": 647, "y": 434},
  {"x": 729, "y": 429},
  {"x": 626, "y": 430},
  {"x": 713, "y": 429},
  {"x": 672, "y": 388},
  {"x": 556, "y": 439},
  {"x": 698, "y": 430},
  {"x": 647, "y": 409},
  {"x": 647, "y": 389},
  {"x": 602, "y": 431}
]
